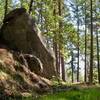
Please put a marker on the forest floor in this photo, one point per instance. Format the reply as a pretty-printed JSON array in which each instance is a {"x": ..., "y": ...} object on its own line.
[
  {"x": 66, "y": 92},
  {"x": 79, "y": 92},
  {"x": 17, "y": 83}
]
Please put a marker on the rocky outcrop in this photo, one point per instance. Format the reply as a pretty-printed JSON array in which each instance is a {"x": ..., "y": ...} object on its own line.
[
  {"x": 20, "y": 33},
  {"x": 17, "y": 79}
]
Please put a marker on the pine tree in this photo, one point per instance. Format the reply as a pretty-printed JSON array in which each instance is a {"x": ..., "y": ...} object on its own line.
[
  {"x": 30, "y": 6},
  {"x": 85, "y": 68},
  {"x": 91, "y": 48},
  {"x": 6, "y": 8}
]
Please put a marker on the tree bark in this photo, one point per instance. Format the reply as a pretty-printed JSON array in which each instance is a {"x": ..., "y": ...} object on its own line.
[
  {"x": 85, "y": 67},
  {"x": 30, "y": 6},
  {"x": 91, "y": 51},
  {"x": 63, "y": 68},
  {"x": 60, "y": 9},
  {"x": 55, "y": 44},
  {"x": 6, "y": 8},
  {"x": 72, "y": 66},
  {"x": 98, "y": 62},
  {"x": 78, "y": 44},
  {"x": 56, "y": 55}
]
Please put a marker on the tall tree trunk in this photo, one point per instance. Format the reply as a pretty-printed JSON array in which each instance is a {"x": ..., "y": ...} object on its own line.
[
  {"x": 63, "y": 68},
  {"x": 72, "y": 66},
  {"x": 91, "y": 51},
  {"x": 6, "y": 8},
  {"x": 59, "y": 61},
  {"x": 85, "y": 67},
  {"x": 55, "y": 44},
  {"x": 30, "y": 6},
  {"x": 60, "y": 9},
  {"x": 98, "y": 62},
  {"x": 55, "y": 48},
  {"x": 78, "y": 44},
  {"x": 97, "y": 38},
  {"x": 41, "y": 15}
]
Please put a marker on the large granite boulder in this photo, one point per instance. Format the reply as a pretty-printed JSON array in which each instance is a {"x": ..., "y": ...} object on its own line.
[{"x": 20, "y": 32}]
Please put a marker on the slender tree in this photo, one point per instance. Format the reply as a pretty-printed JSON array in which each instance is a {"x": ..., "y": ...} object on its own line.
[
  {"x": 59, "y": 60},
  {"x": 55, "y": 44},
  {"x": 30, "y": 6},
  {"x": 41, "y": 14},
  {"x": 60, "y": 9},
  {"x": 63, "y": 68},
  {"x": 72, "y": 66},
  {"x": 97, "y": 42},
  {"x": 78, "y": 42},
  {"x": 6, "y": 8},
  {"x": 91, "y": 44},
  {"x": 98, "y": 62},
  {"x": 85, "y": 67}
]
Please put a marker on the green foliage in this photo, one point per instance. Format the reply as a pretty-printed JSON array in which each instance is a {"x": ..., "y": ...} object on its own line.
[
  {"x": 84, "y": 94},
  {"x": 49, "y": 22},
  {"x": 1, "y": 10}
]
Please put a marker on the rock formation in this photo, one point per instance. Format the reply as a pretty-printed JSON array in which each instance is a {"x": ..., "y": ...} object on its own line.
[
  {"x": 17, "y": 79},
  {"x": 20, "y": 33}
]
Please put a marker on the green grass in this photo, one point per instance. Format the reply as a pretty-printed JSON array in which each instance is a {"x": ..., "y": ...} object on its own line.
[
  {"x": 84, "y": 94},
  {"x": 81, "y": 94}
]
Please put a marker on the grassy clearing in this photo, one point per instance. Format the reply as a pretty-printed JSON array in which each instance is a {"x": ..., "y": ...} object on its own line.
[{"x": 83, "y": 94}]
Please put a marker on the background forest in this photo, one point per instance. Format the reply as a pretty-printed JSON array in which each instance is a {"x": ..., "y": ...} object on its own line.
[{"x": 71, "y": 28}]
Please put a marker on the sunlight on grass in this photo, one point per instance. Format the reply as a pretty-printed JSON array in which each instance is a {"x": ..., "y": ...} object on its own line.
[{"x": 85, "y": 94}]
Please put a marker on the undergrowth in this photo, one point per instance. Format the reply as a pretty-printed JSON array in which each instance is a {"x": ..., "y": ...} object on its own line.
[{"x": 83, "y": 94}]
